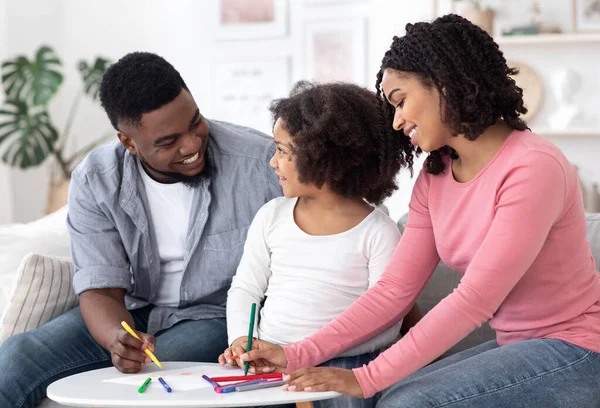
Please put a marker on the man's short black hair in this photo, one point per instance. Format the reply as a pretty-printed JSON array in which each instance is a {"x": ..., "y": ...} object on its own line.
[{"x": 138, "y": 83}]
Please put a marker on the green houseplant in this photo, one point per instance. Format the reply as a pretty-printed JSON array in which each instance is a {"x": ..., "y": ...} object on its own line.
[{"x": 27, "y": 134}]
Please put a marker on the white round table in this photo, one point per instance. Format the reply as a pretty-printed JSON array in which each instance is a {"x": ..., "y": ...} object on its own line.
[{"x": 88, "y": 390}]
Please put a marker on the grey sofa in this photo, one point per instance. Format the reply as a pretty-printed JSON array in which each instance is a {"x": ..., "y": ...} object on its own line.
[{"x": 444, "y": 280}]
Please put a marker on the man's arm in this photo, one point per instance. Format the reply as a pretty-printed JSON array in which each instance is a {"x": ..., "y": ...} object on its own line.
[
  {"x": 102, "y": 277},
  {"x": 103, "y": 311}
]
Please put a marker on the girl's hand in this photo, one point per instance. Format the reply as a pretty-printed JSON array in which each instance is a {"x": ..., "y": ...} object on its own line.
[
  {"x": 265, "y": 357},
  {"x": 237, "y": 348},
  {"x": 317, "y": 379}
]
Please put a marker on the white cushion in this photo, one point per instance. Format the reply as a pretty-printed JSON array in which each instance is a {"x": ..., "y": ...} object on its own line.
[
  {"x": 43, "y": 291},
  {"x": 47, "y": 236}
]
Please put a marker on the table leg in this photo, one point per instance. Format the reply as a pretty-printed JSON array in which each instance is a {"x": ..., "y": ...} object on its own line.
[{"x": 304, "y": 404}]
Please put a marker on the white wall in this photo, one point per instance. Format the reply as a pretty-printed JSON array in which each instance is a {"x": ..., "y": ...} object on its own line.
[
  {"x": 6, "y": 209},
  {"x": 28, "y": 25},
  {"x": 548, "y": 59},
  {"x": 182, "y": 32}
]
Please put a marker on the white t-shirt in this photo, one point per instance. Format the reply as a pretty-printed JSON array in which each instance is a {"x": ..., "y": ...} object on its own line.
[
  {"x": 308, "y": 280},
  {"x": 170, "y": 206}
]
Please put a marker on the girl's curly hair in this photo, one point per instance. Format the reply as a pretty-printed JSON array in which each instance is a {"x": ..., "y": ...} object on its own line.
[
  {"x": 469, "y": 71},
  {"x": 339, "y": 137}
]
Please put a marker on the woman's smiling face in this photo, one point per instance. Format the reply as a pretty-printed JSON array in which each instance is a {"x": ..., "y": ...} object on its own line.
[{"x": 417, "y": 109}]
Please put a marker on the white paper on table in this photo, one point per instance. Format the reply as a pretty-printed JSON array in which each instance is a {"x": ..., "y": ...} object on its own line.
[{"x": 185, "y": 379}]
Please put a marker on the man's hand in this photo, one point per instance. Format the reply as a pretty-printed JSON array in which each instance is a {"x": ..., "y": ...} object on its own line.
[
  {"x": 127, "y": 352},
  {"x": 237, "y": 348},
  {"x": 318, "y": 379},
  {"x": 265, "y": 357}
]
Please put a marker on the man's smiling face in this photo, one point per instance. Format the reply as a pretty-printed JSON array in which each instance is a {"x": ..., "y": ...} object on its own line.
[{"x": 170, "y": 141}]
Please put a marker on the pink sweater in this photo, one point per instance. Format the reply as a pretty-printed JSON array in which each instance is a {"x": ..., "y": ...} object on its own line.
[{"x": 517, "y": 233}]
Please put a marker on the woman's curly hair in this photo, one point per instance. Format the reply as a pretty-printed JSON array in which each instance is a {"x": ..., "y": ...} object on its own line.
[
  {"x": 469, "y": 71},
  {"x": 339, "y": 138}
]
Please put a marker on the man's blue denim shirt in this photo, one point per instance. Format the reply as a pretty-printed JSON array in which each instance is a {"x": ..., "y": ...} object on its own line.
[{"x": 112, "y": 240}]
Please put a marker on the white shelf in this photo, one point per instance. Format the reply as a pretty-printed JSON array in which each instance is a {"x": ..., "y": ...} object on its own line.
[
  {"x": 565, "y": 38},
  {"x": 567, "y": 132}
]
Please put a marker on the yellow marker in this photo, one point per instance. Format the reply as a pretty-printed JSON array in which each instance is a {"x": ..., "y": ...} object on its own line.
[{"x": 150, "y": 354}]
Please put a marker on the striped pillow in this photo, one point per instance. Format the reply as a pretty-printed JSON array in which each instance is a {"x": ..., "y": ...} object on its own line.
[{"x": 43, "y": 291}]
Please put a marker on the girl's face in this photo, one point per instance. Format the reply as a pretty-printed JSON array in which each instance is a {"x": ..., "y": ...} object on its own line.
[
  {"x": 284, "y": 164},
  {"x": 417, "y": 110}
]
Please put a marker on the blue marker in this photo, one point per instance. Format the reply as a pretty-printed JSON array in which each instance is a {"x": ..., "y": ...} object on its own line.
[
  {"x": 164, "y": 384},
  {"x": 233, "y": 387}
]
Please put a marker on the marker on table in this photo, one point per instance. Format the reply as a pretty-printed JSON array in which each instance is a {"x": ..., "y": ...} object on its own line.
[
  {"x": 211, "y": 381},
  {"x": 164, "y": 384},
  {"x": 219, "y": 389},
  {"x": 147, "y": 351},
  {"x": 248, "y": 377},
  {"x": 144, "y": 385},
  {"x": 267, "y": 384},
  {"x": 233, "y": 387},
  {"x": 250, "y": 333}
]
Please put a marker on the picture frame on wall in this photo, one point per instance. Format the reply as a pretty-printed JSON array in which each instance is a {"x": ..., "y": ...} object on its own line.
[
  {"x": 335, "y": 50},
  {"x": 243, "y": 89},
  {"x": 251, "y": 19},
  {"x": 586, "y": 15}
]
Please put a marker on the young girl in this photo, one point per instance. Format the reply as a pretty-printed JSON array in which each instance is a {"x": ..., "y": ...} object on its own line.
[
  {"x": 312, "y": 253},
  {"x": 495, "y": 202}
]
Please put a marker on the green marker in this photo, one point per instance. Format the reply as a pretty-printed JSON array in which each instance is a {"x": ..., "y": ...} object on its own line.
[
  {"x": 250, "y": 333},
  {"x": 144, "y": 385}
]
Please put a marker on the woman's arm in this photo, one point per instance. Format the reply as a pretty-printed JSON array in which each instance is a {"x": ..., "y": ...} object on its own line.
[
  {"x": 411, "y": 319},
  {"x": 530, "y": 201},
  {"x": 379, "y": 247},
  {"x": 405, "y": 276}
]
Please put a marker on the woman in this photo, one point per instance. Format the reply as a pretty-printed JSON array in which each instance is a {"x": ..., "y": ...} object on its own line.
[{"x": 495, "y": 202}]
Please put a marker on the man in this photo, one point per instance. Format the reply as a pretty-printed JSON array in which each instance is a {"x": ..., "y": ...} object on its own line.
[{"x": 157, "y": 222}]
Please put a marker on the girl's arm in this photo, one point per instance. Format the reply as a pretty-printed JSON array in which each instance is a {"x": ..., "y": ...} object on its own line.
[{"x": 252, "y": 277}]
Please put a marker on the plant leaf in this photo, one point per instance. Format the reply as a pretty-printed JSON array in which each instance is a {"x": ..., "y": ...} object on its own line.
[
  {"x": 35, "y": 82},
  {"x": 30, "y": 134},
  {"x": 92, "y": 75}
]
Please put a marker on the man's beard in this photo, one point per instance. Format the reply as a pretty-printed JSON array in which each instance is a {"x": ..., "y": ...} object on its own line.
[{"x": 190, "y": 181}]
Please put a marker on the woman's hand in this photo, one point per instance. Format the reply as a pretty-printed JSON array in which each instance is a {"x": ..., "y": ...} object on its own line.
[
  {"x": 265, "y": 357},
  {"x": 317, "y": 379},
  {"x": 237, "y": 348}
]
